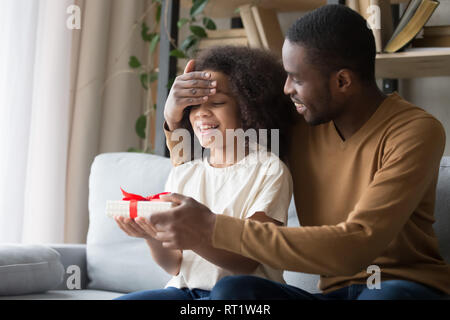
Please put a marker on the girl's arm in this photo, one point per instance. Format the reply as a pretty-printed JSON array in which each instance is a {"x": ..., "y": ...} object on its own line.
[
  {"x": 168, "y": 259},
  {"x": 231, "y": 261}
]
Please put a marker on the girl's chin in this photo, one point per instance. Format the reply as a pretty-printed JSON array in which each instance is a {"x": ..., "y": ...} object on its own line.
[{"x": 207, "y": 143}]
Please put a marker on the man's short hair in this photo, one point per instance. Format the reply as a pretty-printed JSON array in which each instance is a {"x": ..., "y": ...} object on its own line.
[{"x": 336, "y": 37}]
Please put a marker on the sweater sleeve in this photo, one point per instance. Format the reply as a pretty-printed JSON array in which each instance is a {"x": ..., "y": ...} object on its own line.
[{"x": 409, "y": 165}]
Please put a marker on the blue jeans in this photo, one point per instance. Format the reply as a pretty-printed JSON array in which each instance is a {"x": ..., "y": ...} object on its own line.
[
  {"x": 254, "y": 288},
  {"x": 169, "y": 293}
]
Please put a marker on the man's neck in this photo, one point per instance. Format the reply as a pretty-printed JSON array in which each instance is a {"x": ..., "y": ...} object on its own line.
[{"x": 359, "y": 111}]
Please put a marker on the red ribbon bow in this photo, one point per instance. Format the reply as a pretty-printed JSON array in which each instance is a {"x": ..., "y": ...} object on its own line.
[{"x": 134, "y": 198}]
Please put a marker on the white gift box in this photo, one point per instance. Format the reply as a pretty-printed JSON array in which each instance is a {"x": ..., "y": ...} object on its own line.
[{"x": 144, "y": 208}]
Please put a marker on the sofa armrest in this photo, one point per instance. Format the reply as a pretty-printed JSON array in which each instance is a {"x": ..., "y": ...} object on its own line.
[{"x": 73, "y": 258}]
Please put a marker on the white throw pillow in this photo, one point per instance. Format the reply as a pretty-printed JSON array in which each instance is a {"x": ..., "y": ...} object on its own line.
[
  {"x": 116, "y": 261},
  {"x": 26, "y": 269}
]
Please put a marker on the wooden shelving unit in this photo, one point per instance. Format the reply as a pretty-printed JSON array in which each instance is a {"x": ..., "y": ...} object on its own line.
[
  {"x": 433, "y": 62},
  {"x": 227, "y": 8},
  {"x": 424, "y": 63},
  {"x": 389, "y": 67}
]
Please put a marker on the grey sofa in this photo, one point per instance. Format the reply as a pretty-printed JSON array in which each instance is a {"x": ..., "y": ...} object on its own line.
[{"x": 111, "y": 263}]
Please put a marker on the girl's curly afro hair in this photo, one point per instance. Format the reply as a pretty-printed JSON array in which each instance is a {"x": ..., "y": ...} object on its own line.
[{"x": 256, "y": 81}]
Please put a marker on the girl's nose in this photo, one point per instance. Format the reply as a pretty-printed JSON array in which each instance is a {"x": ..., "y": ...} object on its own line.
[{"x": 203, "y": 110}]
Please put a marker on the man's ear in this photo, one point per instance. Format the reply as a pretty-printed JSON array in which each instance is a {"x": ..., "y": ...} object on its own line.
[{"x": 344, "y": 78}]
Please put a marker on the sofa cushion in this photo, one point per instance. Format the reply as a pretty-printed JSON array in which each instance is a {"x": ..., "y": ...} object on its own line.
[
  {"x": 68, "y": 295},
  {"x": 26, "y": 269},
  {"x": 116, "y": 261}
]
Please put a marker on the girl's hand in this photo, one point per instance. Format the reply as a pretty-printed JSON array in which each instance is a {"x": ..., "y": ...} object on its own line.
[
  {"x": 139, "y": 228},
  {"x": 190, "y": 88}
]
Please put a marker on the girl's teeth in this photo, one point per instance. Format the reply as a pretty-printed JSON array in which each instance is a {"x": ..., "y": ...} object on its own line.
[{"x": 206, "y": 127}]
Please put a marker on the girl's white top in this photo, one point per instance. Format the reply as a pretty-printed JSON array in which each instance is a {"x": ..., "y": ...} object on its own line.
[{"x": 258, "y": 182}]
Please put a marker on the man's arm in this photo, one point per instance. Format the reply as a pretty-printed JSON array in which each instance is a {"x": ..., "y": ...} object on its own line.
[
  {"x": 233, "y": 262},
  {"x": 410, "y": 165}
]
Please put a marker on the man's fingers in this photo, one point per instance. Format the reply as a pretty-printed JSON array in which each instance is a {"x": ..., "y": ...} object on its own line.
[
  {"x": 169, "y": 245},
  {"x": 191, "y": 101},
  {"x": 164, "y": 236},
  {"x": 187, "y": 82},
  {"x": 196, "y": 75},
  {"x": 194, "y": 93},
  {"x": 173, "y": 197},
  {"x": 189, "y": 66}
]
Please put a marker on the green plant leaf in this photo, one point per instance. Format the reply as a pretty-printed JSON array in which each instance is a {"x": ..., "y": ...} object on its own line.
[
  {"x": 198, "y": 31},
  {"x": 158, "y": 12},
  {"x": 132, "y": 149},
  {"x": 197, "y": 7},
  {"x": 188, "y": 42},
  {"x": 145, "y": 35},
  {"x": 141, "y": 123},
  {"x": 209, "y": 23},
  {"x": 182, "y": 22},
  {"x": 177, "y": 53},
  {"x": 134, "y": 62},
  {"x": 154, "y": 106},
  {"x": 154, "y": 43},
  {"x": 144, "y": 80}
]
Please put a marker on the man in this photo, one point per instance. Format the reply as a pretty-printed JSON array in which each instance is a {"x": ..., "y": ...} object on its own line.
[{"x": 365, "y": 169}]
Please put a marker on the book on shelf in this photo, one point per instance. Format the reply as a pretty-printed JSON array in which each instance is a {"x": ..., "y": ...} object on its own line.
[
  {"x": 233, "y": 37},
  {"x": 269, "y": 29},
  {"x": 262, "y": 27},
  {"x": 433, "y": 36},
  {"x": 250, "y": 27},
  {"x": 261, "y": 30},
  {"x": 415, "y": 16},
  {"x": 437, "y": 41},
  {"x": 379, "y": 18},
  {"x": 433, "y": 31}
]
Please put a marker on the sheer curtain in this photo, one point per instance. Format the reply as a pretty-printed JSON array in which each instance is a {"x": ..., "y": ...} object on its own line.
[{"x": 35, "y": 46}]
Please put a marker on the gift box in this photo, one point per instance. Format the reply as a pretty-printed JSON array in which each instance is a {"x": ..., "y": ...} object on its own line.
[{"x": 133, "y": 205}]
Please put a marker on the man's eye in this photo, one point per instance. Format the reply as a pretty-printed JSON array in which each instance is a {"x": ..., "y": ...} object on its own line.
[
  {"x": 296, "y": 81},
  {"x": 218, "y": 103}
]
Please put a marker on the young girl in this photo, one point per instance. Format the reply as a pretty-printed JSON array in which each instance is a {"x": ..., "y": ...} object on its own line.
[{"x": 240, "y": 178}]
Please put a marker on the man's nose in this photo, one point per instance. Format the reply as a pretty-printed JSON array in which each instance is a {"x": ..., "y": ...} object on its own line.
[{"x": 288, "y": 88}]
